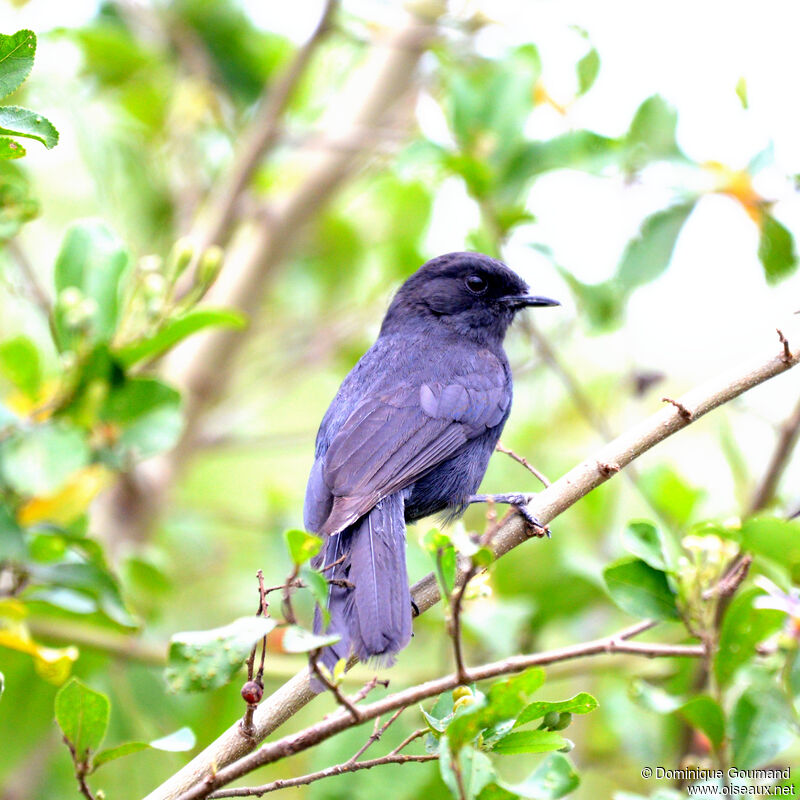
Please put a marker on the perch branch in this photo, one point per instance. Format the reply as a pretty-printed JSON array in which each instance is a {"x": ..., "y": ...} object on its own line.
[
  {"x": 341, "y": 720},
  {"x": 548, "y": 504}
]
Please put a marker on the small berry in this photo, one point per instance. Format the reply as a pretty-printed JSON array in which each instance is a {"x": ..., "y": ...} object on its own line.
[
  {"x": 564, "y": 721},
  {"x": 252, "y": 693},
  {"x": 463, "y": 702},
  {"x": 461, "y": 691},
  {"x": 551, "y": 720}
]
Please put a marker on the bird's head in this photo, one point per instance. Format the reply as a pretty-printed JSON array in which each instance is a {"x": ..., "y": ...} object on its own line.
[{"x": 470, "y": 293}]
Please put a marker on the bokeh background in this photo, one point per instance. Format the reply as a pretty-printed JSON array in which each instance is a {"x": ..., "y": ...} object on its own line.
[{"x": 551, "y": 134}]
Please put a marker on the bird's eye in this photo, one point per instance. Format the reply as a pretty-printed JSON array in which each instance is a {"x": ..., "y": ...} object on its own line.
[{"x": 477, "y": 284}]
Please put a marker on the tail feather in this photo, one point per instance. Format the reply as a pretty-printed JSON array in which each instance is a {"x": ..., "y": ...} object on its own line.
[{"x": 373, "y": 614}]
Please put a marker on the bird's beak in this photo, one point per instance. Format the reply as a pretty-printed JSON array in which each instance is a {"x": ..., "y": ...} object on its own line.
[{"x": 517, "y": 301}]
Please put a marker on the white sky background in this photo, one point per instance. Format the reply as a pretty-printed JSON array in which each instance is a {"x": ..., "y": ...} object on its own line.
[{"x": 713, "y": 305}]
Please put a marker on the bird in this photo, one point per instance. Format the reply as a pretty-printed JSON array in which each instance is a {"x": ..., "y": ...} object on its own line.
[{"x": 408, "y": 435}]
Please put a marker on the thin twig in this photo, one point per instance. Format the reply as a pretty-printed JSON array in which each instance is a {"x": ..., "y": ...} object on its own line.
[
  {"x": 456, "y": 605},
  {"x": 410, "y": 738},
  {"x": 525, "y": 463},
  {"x": 320, "y": 675},
  {"x": 377, "y": 732},
  {"x": 35, "y": 289},
  {"x": 81, "y": 769},
  {"x": 340, "y": 721},
  {"x": 787, "y": 439},
  {"x": 339, "y": 769}
]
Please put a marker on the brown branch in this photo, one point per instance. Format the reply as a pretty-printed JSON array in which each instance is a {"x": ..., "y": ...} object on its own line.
[
  {"x": 338, "y": 769},
  {"x": 81, "y": 770},
  {"x": 512, "y": 532},
  {"x": 456, "y": 606},
  {"x": 321, "y": 731},
  {"x": 34, "y": 288},
  {"x": 376, "y": 734},
  {"x": 320, "y": 675},
  {"x": 525, "y": 463},
  {"x": 261, "y": 136},
  {"x": 787, "y": 440},
  {"x": 410, "y": 738}
]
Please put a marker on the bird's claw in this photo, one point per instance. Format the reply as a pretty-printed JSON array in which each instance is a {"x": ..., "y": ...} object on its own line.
[{"x": 538, "y": 528}]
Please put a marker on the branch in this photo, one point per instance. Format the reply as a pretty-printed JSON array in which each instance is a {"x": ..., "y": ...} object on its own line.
[
  {"x": 547, "y": 505},
  {"x": 259, "y": 138},
  {"x": 540, "y": 476},
  {"x": 787, "y": 439},
  {"x": 341, "y": 720},
  {"x": 338, "y": 769}
]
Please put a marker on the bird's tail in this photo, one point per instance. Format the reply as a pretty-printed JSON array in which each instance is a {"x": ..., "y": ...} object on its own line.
[{"x": 371, "y": 608}]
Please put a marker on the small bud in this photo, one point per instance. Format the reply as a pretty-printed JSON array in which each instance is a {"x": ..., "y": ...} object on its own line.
[
  {"x": 180, "y": 257},
  {"x": 461, "y": 691},
  {"x": 210, "y": 265},
  {"x": 252, "y": 693}
]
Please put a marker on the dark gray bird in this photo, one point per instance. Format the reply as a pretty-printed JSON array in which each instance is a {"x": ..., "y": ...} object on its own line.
[{"x": 409, "y": 434}]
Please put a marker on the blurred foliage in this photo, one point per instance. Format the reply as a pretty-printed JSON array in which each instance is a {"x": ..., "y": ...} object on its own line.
[{"x": 161, "y": 103}]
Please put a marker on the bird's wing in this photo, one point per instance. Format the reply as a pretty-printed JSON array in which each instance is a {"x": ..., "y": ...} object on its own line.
[{"x": 396, "y": 436}]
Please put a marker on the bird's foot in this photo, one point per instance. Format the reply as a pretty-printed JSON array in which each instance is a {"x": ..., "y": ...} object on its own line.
[{"x": 520, "y": 502}]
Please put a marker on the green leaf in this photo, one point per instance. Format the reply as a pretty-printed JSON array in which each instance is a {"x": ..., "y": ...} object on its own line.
[
  {"x": 113, "y": 753},
  {"x": 588, "y": 68},
  {"x": 82, "y": 714},
  {"x": 299, "y": 640},
  {"x": 555, "y": 777},
  {"x": 504, "y": 701},
  {"x": 776, "y": 539},
  {"x": 318, "y": 586},
  {"x": 644, "y": 540},
  {"x": 704, "y": 713},
  {"x": 149, "y": 413},
  {"x": 648, "y": 255},
  {"x": 93, "y": 259},
  {"x": 671, "y": 494},
  {"x": 16, "y": 121},
  {"x": 741, "y": 92},
  {"x": 602, "y": 304},
  {"x": 760, "y": 726},
  {"x": 743, "y": 629},
  {"x": 652, "y": 134},
  {"x": 177, "y": 742},
  {"x": 582, "y": 703},
  {"x": 9, "y": 149},
  {"x": 17, "y": 203},
  {"x": 177, "y": 329},
  {"x": 41, "y": 459},
  {"x": 529, "y": 742},
  {"x": 203, "y": 660},
  {"x": 21, "y": 364},
  {"x": 444, "y": 557},
  {"x": 776, "y": 249},
  {"x": 302, "y": 545},
  {"x": 84, "y": 578},
  {"x": 640, "y": 590},
  {"x": 16, "y": 60}
]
